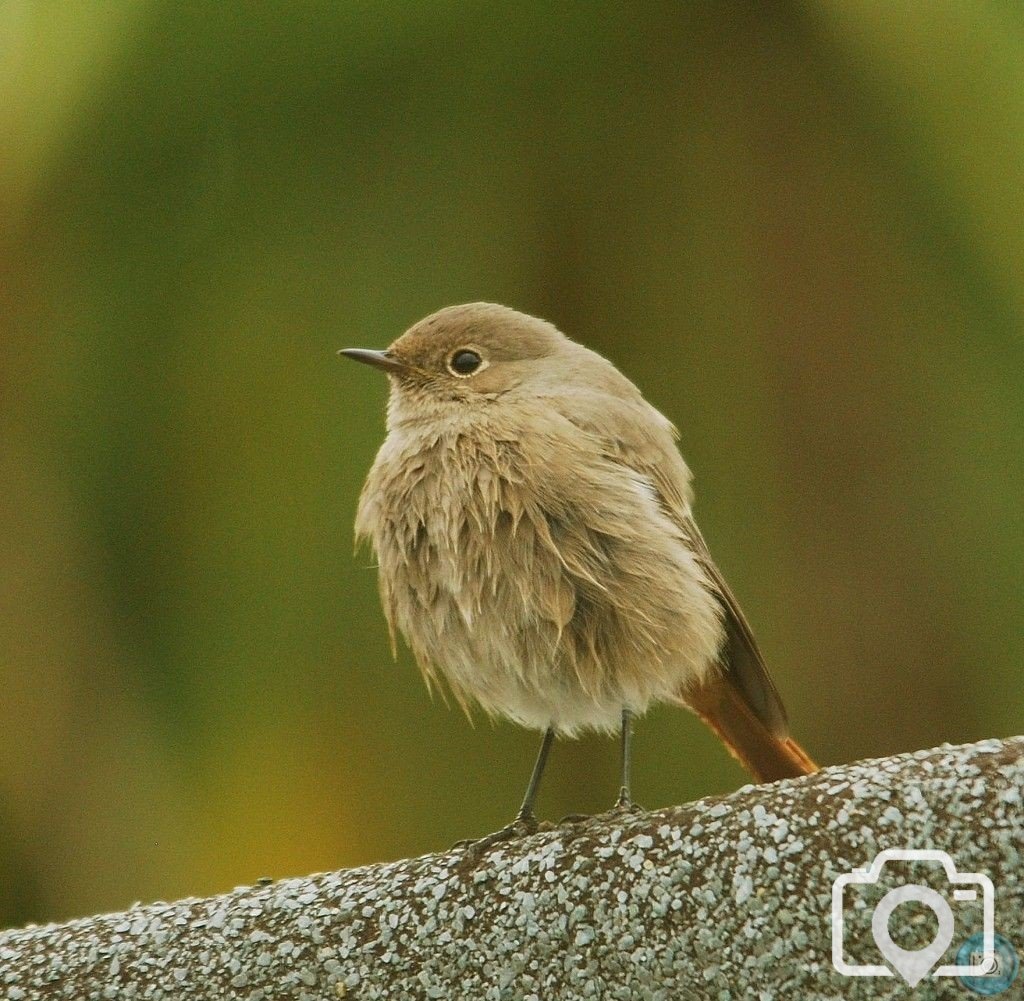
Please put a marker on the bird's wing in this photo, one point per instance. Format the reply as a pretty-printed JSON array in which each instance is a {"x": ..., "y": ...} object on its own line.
[
  {"x": 743, "y": 658},
  {"x": 637, "y": 435}
]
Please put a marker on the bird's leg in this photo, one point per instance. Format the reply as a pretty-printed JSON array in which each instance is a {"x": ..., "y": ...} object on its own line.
[
  {"x": 625, "y": 800},
  {"x": 525, "y": 821},
  {"x": 526, "y": 816}
]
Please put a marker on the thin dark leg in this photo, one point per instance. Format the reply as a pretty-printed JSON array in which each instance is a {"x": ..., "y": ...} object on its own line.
[
  {"x": 525, "y": 822},
  {"x": 526, "y": 810},
  {"x": 625, "y": 799}
]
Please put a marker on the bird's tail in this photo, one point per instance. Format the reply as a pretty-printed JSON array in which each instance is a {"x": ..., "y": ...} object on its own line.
[{"x": 766, "y": 755}]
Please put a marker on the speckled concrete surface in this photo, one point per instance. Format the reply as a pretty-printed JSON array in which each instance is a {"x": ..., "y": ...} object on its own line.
[{"x": 720, "y": 899}]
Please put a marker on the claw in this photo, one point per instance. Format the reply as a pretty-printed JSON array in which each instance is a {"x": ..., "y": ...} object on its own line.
[
  {"x": 625, "y": 805},
  {"x": 524, "y": 825},
  {"x": 574, "y": 818}
]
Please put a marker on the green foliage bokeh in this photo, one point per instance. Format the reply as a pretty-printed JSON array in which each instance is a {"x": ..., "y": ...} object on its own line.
[{"x": 795, "y": 226}]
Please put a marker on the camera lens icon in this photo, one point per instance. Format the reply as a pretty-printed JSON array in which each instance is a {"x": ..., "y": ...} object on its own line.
[{"x": 913, "y": 965}]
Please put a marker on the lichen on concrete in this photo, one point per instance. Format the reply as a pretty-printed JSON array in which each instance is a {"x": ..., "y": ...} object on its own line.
[{"x": 719, "y": 899}]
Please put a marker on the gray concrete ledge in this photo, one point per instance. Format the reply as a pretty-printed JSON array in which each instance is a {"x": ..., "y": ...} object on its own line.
[{"x": 719, "y": 899}]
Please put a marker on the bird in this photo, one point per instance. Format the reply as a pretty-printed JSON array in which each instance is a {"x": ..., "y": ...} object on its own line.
[{"x": 532, "y": 522}]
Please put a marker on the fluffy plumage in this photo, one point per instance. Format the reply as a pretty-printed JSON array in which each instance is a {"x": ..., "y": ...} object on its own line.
[{"x": 533, "y": 529}]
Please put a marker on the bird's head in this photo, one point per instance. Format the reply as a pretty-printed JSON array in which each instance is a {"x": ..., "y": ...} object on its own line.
[{"x": 475, "y": 352}]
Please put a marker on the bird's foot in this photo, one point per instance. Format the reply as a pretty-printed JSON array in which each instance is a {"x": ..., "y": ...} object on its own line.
[
  {"x": 524, "y": 825},
  {"x": 625, "y": 806}
]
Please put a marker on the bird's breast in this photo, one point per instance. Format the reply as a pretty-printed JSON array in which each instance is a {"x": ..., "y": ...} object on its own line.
[{"x": 528, "y": 572}]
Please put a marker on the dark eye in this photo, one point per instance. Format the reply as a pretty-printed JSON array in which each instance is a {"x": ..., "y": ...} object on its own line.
[{"x": 464, "y": 362}]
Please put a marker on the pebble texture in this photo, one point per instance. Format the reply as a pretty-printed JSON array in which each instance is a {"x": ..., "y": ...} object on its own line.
[{"x": 723, "y": 898}]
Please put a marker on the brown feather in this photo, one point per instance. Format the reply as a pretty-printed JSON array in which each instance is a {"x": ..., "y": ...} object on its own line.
[{"x": 724, "y": 708}]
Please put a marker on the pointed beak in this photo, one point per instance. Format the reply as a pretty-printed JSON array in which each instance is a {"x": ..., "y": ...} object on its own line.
[{"x": 378, "y": 359}]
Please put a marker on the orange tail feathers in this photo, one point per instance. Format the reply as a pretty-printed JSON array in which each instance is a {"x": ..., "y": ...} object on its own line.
[{"x": 767, "y": 756}]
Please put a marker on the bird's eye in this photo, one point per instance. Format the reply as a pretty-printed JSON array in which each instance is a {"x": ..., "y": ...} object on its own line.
[{"x": 464, "y": 362}]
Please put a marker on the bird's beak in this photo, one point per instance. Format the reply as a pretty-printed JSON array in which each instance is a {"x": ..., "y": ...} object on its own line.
[{"x": 378, "y": 359}]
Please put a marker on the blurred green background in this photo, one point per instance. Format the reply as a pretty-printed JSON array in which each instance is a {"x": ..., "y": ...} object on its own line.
[{"x": 796, "y": 226}]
